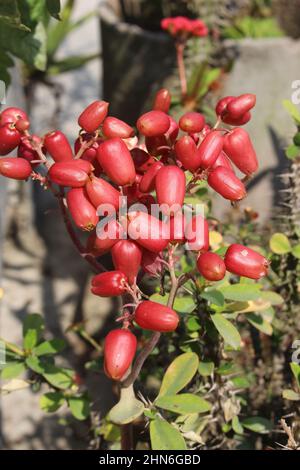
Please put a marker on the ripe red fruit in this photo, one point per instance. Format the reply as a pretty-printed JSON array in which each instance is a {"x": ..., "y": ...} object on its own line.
[
  {"x": 105, "y": 237},
  {"x": 222, "y": 104},
  {"x": 243, "y": 261},
  {"x": 210, "y": 148},
  {"x": 148, "y": 231},
  {"x": 22, "y": 125},
  {"x": 109, "y": 284},
  {"x": 26, "y": 149},
  {"x": 162, "y": 100},
  {"x": 147, "y": 183},
  {"x": 222, "y": 160},
  {"x": 12, "y": 115},
  {"x": 58, "y": 146},
  {"x": 197, "y": 234},
  {"x": 192, "y": 122},
  {"x": 156, "y": 317},
  {"x": 9, "y": 138},
  {"x": 172, "y": 132},
  {"x": 177, "y": 225},
  {"x": 115, "y": 159},
  {"x": 153, "y": 123},
  {"x": 141, "y": 159},
  {"x": 101, "y": 192},
  {"x": 119, "y": 350},
  {"x": 82, "y": 211},
  {"x": 241, "y": 121},
  {"x": 16, "y": 168},
  {"x": 187, "y": 153},
  {"x": 127, "y": 257},
  {"x": 239, "y": 148},
  {"x": 225, "y": 182},
  {"x": 113, "y": 127},
  {"x": 91, "y": 118},
  {"x": 73, "y": 173},
  {"x": 170, "y": 188},
  {"x": 211, "y": 266},
  {"x": 241, "y": 105}
]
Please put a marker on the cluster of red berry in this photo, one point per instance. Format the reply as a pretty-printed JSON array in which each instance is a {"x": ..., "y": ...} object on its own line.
[
  {"x": 180, "y": 26},
  {"x": 109, "y": 162}
]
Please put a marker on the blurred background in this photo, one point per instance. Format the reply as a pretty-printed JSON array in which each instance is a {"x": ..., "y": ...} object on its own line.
[{"x": 116, "y": 50}]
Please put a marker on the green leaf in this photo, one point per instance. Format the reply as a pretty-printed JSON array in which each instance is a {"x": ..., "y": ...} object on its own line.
[
  {"x": 79, "y": 407},
  {"x": 179, "y": 373},
  {"x": 164, "y": 436},
  {"x": 213, "y": 296},
  {"x": 296, "y": 371},
  {"x": 59, "y": 377},
  {"x": 272, "y": 297},
  {"x": 206, "y": 368},
  {"x": 51, "y": 401},
  {"x": 53, "y": 6},
  {"x": 241, "y": 292},
  {"x": 226, "y": 329},
  {"x": 53, "y": 346},
  {"x": 127, "y": 409},
  {"x": 292, "y": 110},
  {"x": 182, "y": 304},
  {"x": 33, "y": 328},
  {"x": 279, "y": 244},
  {"x": 70, "y": 63},
  {"x": 258, "y": 424},
  {"x": 240, "y": 382},
  {"x": 290, "y": 395},
  {"x": 193, "y": 324},
  {"x": 296, "y": 251},
  {"x": 292, "y": 152},
  {"x": 12, "y": 370},
  {"x": 260, "y": 323},
  {"x": 10, "y": 15},
  {"x": 236, "y": 425},
  {"x": 227, "y": 368},
  {"x": 185, "y": 403}
]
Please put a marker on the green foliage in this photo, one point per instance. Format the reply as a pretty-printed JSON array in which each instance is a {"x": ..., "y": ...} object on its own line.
[{"x": 249, "y": 27}]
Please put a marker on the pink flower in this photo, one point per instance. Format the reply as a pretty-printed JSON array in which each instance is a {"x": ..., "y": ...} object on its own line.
[{"x": 180, "y": 26}]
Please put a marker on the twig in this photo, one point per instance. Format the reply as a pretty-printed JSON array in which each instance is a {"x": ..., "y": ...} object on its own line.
[
  {"x": 181, "y": 68},
  {"x": 291, "y": 444}
]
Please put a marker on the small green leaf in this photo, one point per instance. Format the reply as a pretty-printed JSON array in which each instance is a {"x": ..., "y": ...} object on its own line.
[
  {"x": 236, "y": 425},
  {"x": 296, "y": 371},
  {"x": 51, "y": 401},
  {"x": 292, "y": 152},
  {"x": 227, "y": 368},
  {"x": 53, "y": 6},
  {"x": 279, "y": 244},
  {"x": 38, "y": 365},
  {"x": 206, "y": 368},
  {"x": 240, "y": 382},
  {"x": 292, "y": 110},
  {"x": 193, "y": 324},
  {"x": 79, "y": 407},
  {"x": 127, "y": 409},
  {"x": 296, "y": 251},
  {"x": 185, "y": 403},
  {"x": 290, "y": 395},
  {"x": 182, "y": 304},
  {"x": 258, "y": 424},
  {"x": 179, "y": 373},
  {"x": 33, "y": 328},
  {"x": 226, "y": 329},
  {"x": 272, "y": 297},
  {"x": 49, "y": 347},
  {"x": 12, "y": 370},
  {"x": 260, "y": 323},
  {"x": 241, "y": 292},
  {"x": 164, "y": 436},
  {"x": 214, "y": 297}
]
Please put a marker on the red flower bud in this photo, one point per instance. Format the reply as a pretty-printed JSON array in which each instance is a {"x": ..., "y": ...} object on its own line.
[
  {"x": 9, "y": 138},
  {"x": 187, "y": 153},
  {"x": 72, "y": 173},
  {"x": 211, "y": 266},
  {"x": 119, "y": 351},
  {"x": 222, "y": 104},
  {"x": 16, "y": 168},
  {"x": 210, "y": 148},
  {"x": 147, "y": 183},
  {"x": 91, "y": 118},
  {"x": 153, "y": 123},
  {"x": 82, "y": 211},
  {"x": 162, "y": 100},
  {"x": 151, "y": 263},
  {"x": 192, "y": 122},
  {"x": 238, "y": 147},
  {"x": 148, "y": 231},
  {"x": 241, "y": 105},
  {"x": 225, "y": 182},
  {"x": 222, "y": 160},
  {"x": 127, "y": 257},
  {"x": 100, "y": 192},
  {"x": 109, "y": 284},
  {"x": 57, "y": 145},
  {"x": 156, "y": 317},
  {"x": 12, "y": 115},
  {"x": 141, "y": 159},
  {"x": 105, "y": 237},
  {"x": 243, "y": 261},
  {"x": 115, "y": 159},
  {"x": 113, "y": 127},
  {"x": 170, "y": 188},
  {"x": 177, "y": 225},
  {"x": 197, "y": 234}
]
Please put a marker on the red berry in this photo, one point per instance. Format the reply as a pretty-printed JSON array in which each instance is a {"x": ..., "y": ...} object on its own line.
[
  {"x": 192, "y": 122},
  {"x": 58, "y": 146},
  {"x": 225, "y": 182},
  {"x": 22, "y": 125},
  {"x": 187, "y": 153},
  {"x": 119, "y": 351},
  {"x": 211, "y": 266},
  {"x": 15, "y": 167},
  {"x": 9, "y": 138},
  {"x": 243, "y": 261},
  {"x": 101, "y": 192},
  {"x": 115, "y": 159},
  {"x": 241, "y": 121},
  {"x": 162, "y": 100},
  {"x": 239, "y": 148},
  {"x": 73, "y": 173},
  {"x": 170, "y": 188},
  {"x": 147, "y": 183},
  {"x": 82, "y": 211},
  {"x": 26, "y": 149},
  {"x": 105, "y": 237},
  {"x": 113, "y": 127},
  {"x": 109, "y": 284},
  {"x": 148, "y": 231},
  {"x": 222, "y": 160},
  {"x": 153, "y": 123},
  {"x": 91, "y": 118},
  {"x": 127, "y": 257},
  {"x": 156, "y": 317},
  {"x": 237, "y": 107},
  {"x": 12, "y": 115},
  {"x": 173, "y": 131},
  {"x": 177, "y": 225},
  {"x": 222, "y": 104},
  {"x": 197, "y": 234},
  {"x": 210, "y": 148},
  {"x": 142, "y": 160}
]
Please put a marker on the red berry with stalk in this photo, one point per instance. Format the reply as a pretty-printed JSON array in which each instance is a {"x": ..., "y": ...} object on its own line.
[
  {"x": 109, "y": 284},
  {"x": 73, "y": 173},
  {"x": 239, "y": 106},
  {"x": 147, "y": 183},
  {"x": 81, "y": 209},
  {"x": 197, "y": 234},
  {"x": 162, "y": 100},
  {"x": 192, "y": 122},
  {"x": 58, "y": 146},
  {"x": 113, "y": 127},
  {"x": 224, "y": 181},
  {"x": 210, "y": 148},
  {"x": 148, "y": 231},
  {"x": 15, "y": 168},
  {"x": 11, "y": 115},
  {"x": 244, "y": 261},
  {"x": 105, "y": 237},
  {"x": 187, "y": 153},
  {"x": 116, "y": 161},
  {"x": 10, "y": 138},
  {"x": 156, "y": 317},
  {"x": 238, "y": 147},
  {"x": 211, "y": 266},
  {"x": 153, "y": 123},
  {"x": 127, "y": 257},
  {"x": 93, "y": 115},
  {"x": 101, "y": 192},
  {"x": 119, "y": 350},
  {"x": 170, "y": 188}
]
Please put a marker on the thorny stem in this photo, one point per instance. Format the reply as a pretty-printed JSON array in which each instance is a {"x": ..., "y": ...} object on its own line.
[{"x": 181, "y": 68}]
